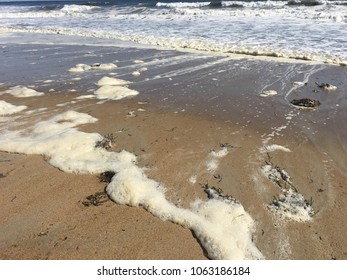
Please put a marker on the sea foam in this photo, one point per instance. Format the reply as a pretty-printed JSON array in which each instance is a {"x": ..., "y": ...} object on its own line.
[
  {"x": 21, "y": 91},
  {"x": 214, "y": 159},
  {"x": 9, "y": 109},
  {"x": 107, "y": 81},
  {"x": 223, "y": 229},
  {"x": 114, "y": 92},
  {"x": 81, "y": 67}
]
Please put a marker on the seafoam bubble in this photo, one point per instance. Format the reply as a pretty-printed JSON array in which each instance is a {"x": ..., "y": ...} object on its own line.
[
  {"x": 104, "y": 66},
  {"x": 267, "y": 93},
  {"x": 96, "y": 66},
  {"x": 9, "y": 109},
  {"x": 327, "y": 87},
  {"x": 274, "y": 147},
  {"x": 107, "y": 81},
  {"x": 136, "y": 73},
  {"x": 192, "y": 179},
  {"x": 138, "y": 61},
  {"x": 80, "y": 68},
  {"x": 114, "y": 92},
  {"x": 21, "y": 91}
]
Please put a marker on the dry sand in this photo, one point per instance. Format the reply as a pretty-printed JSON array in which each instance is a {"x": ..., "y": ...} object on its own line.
[{"x": 172, "y": 131}]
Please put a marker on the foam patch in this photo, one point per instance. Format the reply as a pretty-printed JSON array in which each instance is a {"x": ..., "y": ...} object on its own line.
[
  {"x": 224, "y": 229},
  {"x": 107, "y": 81},
  {"x": 274, "y": 147},
  {"x": 214, "y": 159},
  {"x": 9, "y": 109},
  {"x": 20, "y": 91},
  {"x": 267, "y": 93},
  {"x": 96, "y": 66},
  {"x": 114, "y": 92}
]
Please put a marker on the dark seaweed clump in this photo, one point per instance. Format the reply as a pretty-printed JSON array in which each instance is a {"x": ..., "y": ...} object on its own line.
[{"x": 306, "y": 102}]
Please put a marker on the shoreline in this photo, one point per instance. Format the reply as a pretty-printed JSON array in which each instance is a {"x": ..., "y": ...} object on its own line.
[{"x": 176, "y": 128}]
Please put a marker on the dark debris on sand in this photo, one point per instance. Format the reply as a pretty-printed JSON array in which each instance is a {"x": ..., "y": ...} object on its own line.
[
  {"x": 106, "y": 176},
  {"x": 96, "y": 199},
  {"x": 106, "y": 142},
  {"x": 306, "y": 102},
  {"x": 217, "y": 193}
]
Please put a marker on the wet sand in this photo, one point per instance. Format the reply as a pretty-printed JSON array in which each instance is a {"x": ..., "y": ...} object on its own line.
[{"x": 188, "y": 105}]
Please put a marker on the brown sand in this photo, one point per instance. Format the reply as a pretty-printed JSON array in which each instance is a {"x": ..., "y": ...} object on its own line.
[{"x": 42, "y": 215}]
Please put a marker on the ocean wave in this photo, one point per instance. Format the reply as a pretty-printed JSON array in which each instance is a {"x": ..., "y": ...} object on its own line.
[
  {"x": 197, "y": 45},
  {"x": 49, "y": 7},
  {"x": 304, "y": 33},
  {"x": 332, "y": 14},
  {"x": 46, "y": 11},
  {"x": 148, "y": 4},
  {"x": 222, "y": 4},
  {"x": 77, "y": 8},
  {"x": 304, "y": 2}
]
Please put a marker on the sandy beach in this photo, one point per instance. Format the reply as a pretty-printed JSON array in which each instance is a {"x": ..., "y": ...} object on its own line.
[{"x": 198, "y": 121}]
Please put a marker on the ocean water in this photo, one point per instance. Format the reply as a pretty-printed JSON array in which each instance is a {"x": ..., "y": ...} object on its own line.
[{"x": 302, "y": 29}]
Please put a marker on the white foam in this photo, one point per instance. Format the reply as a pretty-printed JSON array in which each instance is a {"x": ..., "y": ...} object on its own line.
[
  {"x": 107, "y": 81},
  {"x": 73, "y": 9},
  {"x": 136, "y": 73},
  {"x": 212, "y": 165},
  {"x": 274, "y": 147},
  {"x": 104, "y": 66},
  {"x": 114, "y": 92},
  {"x": 223, "y": 229},
  {"x": 292, "y": 205},
  {"x": 214, "y": 159},
  {"x": 138, "y": 61},
  {"x": 20, "y": 91},
  {"x": 9, "y": 109},
  {"x": 276, "y": 175},
  {"x": 328, "y": 87},
  {"x": 96, "y": 66},
  {"x": 219, "y": 154},
  {"x": 192, "y": 179},
  {"x": 267, "y": 93},
  {"x": 80, "y": 68},
  {"x": 88, "y": 96}
]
